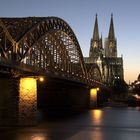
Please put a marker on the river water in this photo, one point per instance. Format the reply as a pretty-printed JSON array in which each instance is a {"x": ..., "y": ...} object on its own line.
[{"x": 96, "y": 124}]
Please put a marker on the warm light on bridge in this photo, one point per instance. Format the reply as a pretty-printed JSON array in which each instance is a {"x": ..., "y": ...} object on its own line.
[
  {"x": 93, "y": 96},
  {"x": 27, "y": 100},
  {"x": 41, "y": 79},
  {"x": 137, "y": 96},
  {"x": 93, "y": 93},
  {"x": 27, "y": 88}
]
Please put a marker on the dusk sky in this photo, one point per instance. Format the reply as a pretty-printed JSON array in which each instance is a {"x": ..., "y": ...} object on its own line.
[{"x": 80, "y": 15}]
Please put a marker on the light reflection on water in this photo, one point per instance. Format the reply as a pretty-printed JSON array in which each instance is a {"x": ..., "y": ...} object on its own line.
[
  {"x": 96, "y": 124},
  {"x": 38, "y": 137},
  {"x": 97, "y": 116},
  {"x": 115, "y": 124},
  {"x": 32, "y": 135}
]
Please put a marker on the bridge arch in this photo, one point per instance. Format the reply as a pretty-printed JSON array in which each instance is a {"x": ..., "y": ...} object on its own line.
[
  {"x": 94, "y": 72},
  {"x": 48, "y": 43}
]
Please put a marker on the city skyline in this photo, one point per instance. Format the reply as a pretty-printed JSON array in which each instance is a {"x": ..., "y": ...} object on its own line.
[{"x": 80, "y": 15}]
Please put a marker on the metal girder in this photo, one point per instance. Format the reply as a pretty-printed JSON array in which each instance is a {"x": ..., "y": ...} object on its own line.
[
  {"x": 94, "y": 74},
  {"x": 44, "y": 42}
]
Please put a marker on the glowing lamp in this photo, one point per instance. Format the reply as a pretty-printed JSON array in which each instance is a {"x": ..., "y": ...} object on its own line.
[
  {"x": 41, "y": 79},
  {"x": 98, "y": 89}
]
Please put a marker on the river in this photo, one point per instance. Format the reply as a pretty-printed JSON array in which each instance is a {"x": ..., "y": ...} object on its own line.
[{"x": 96, "y": 124}]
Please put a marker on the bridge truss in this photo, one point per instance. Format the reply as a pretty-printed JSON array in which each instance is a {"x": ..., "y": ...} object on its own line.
[{"x": 42, "y": 45}]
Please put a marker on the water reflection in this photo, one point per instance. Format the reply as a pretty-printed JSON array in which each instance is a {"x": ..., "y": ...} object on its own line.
[
  {"x": 38, "y": 137},
  {"x": 97, "y": 116},
  {"x": 138, "y": 108},
  {"x": 98, "y": 124},
  {"x": 31, "y": 135}
]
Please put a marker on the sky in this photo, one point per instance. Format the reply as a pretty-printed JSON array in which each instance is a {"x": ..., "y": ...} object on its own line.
[{"x": 80, "y": 15}]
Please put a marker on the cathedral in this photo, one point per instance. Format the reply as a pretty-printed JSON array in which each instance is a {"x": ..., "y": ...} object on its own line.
[{"x": 104, "y": 57}]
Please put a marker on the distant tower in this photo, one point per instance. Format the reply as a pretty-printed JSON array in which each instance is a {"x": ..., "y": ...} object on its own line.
[
  {"x": 110, "y": 42},
  {"x": 113, "y": 65},
  {"x": 96, "y": 43},
  {"x": 110, "y": 66}
]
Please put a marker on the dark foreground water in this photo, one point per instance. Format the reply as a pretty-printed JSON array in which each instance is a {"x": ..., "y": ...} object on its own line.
[{"x": 98, "y": 124}]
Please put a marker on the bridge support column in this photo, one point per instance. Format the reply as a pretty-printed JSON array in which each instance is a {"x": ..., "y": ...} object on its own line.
[
  {"x": 93, "y": 97},
  {"x": 27, "y": 101},
  {"x": 9, "y": 96}
]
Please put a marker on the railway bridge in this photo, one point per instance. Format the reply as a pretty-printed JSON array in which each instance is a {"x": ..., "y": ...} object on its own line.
[{"x": 42, "y": 66}]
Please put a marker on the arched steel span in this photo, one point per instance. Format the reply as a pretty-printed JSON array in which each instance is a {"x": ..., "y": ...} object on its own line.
[
  {"x": 47, "y": 43},
  {"x": 94, "y": 74}
]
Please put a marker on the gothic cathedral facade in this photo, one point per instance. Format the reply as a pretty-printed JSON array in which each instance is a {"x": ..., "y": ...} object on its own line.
[{"x": 105, "y": 57}]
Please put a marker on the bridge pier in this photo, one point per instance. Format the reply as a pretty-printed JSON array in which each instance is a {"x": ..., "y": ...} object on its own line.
[
  {"x": 94, "y": 97},
  {"x": 18, "y": 101},
  {"x": 27, "y": 101},
  {"x": 9, "y": 97},
  {"x": 62, "y": 96}
]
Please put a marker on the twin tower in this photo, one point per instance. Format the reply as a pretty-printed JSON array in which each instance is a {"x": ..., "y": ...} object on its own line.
[{"x": 105, "y": 57}]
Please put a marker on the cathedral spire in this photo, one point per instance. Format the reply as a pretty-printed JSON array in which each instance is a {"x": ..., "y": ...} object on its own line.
[
  {"x": 96, "y": 30},
  {"x": 111, "y": 34},
  {"x": 101, "y": 41}
]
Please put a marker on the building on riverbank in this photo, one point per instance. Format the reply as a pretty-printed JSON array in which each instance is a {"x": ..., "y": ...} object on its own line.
[{"x": 105, "y": 57}]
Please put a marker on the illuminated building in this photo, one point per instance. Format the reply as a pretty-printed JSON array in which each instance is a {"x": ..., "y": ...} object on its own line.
[{"x": 105, "y": 58}]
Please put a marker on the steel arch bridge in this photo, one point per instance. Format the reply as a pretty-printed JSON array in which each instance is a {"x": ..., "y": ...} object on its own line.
[
  {"x": 42, "y": 46},
  {"x": 94, "y": 72}
]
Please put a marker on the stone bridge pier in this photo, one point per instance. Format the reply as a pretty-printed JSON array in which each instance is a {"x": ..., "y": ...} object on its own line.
[
  {"x": 56, "y": 95},
  {"x": 20, "y": 98},
  {"x": 9, "y": 100},
  {"x": 18, "y": 101}
]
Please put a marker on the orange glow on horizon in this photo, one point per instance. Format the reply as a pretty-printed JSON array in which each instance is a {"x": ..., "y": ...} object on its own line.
[{"x": 131, "y": 74}]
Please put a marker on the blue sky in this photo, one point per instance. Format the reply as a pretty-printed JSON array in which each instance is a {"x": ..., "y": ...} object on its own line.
[{"x": 80, "y": 15}]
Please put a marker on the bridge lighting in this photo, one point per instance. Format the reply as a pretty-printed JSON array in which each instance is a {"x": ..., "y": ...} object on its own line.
[
  {"x": 41, "y": 79},
  {"x": 98, "y": 89},
  {"x": 27, "y": 88},
  {"x": 93, "y": 96},
  {"x": 137, "y": 96},
  {"x": 27, "y": 100}
]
